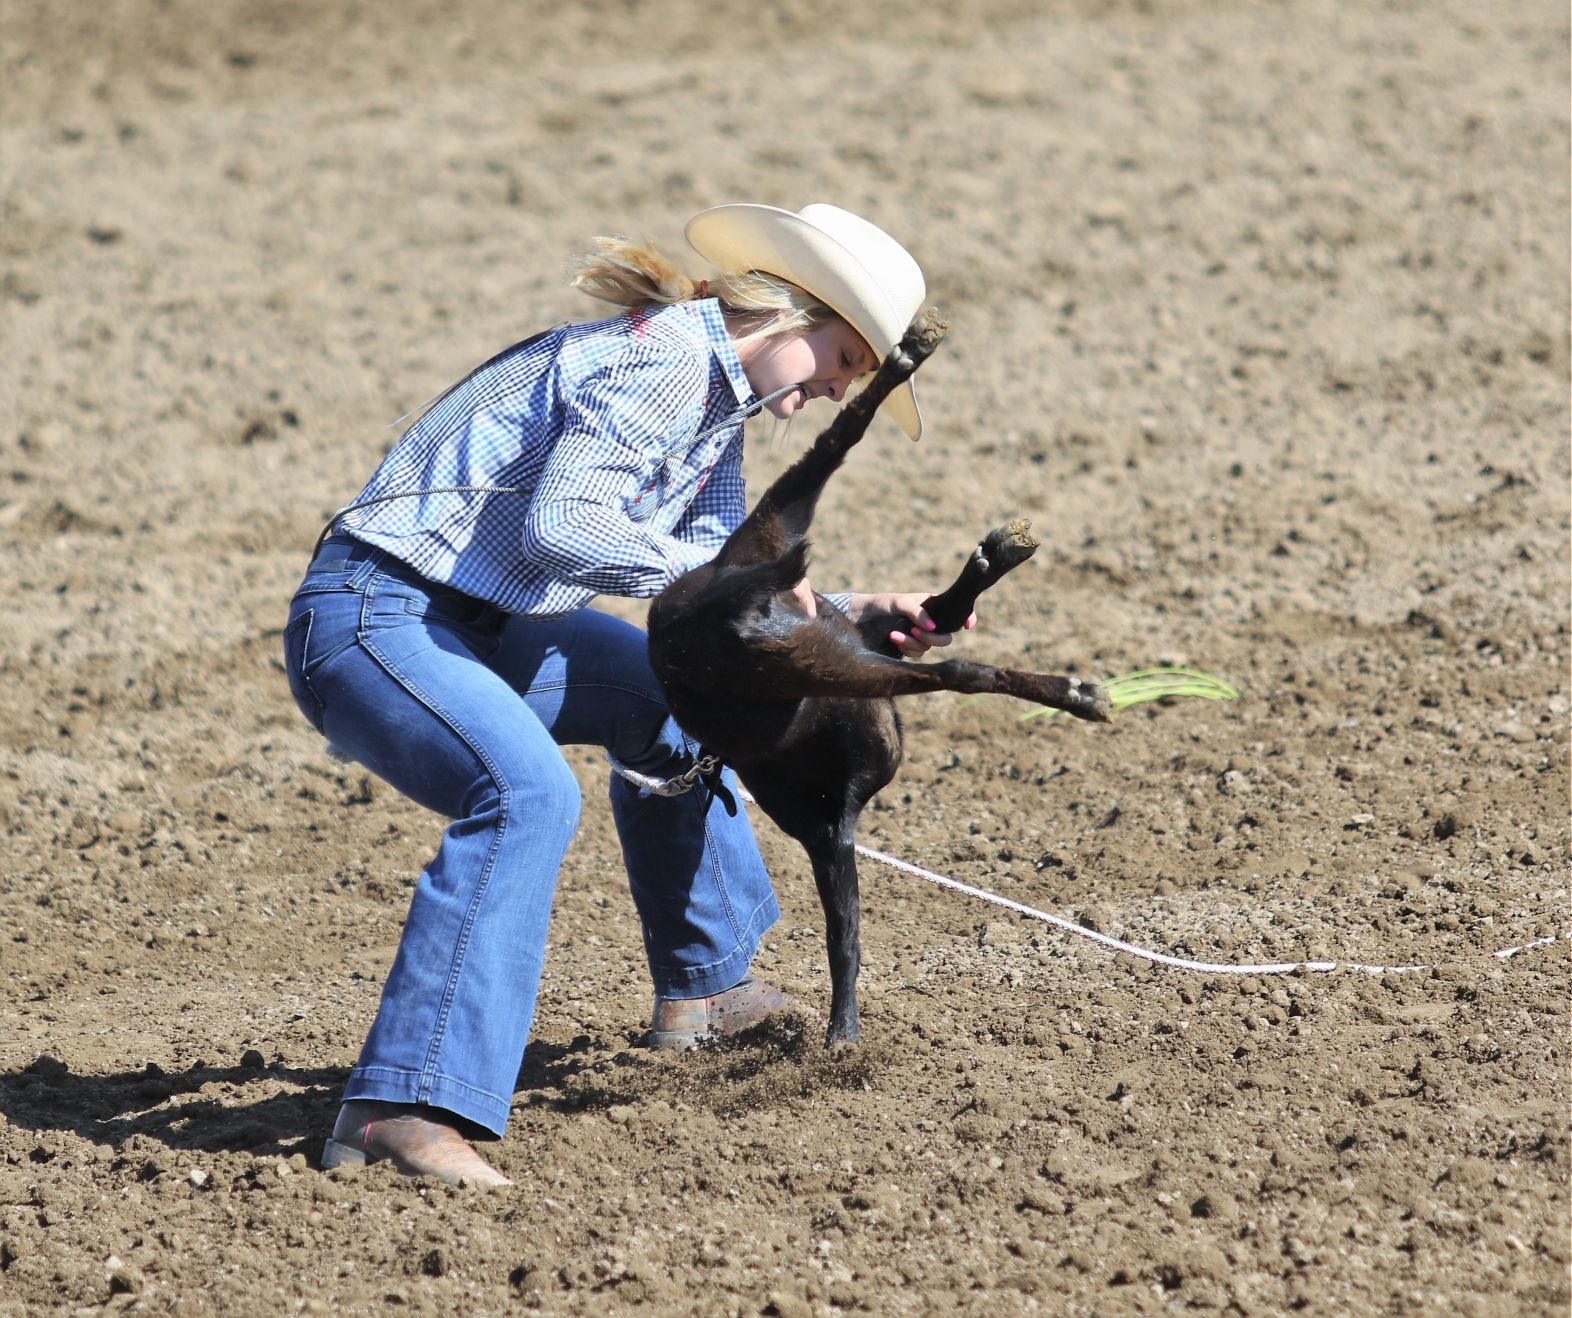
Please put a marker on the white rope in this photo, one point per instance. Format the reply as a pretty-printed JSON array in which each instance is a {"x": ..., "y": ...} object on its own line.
[
  {"x": 1538, "y": 942},
  {"x": 1162, "y": 958},
  {"x": 671, "y": 787}
]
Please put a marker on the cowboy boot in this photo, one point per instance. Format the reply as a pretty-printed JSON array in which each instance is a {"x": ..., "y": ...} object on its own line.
[{"x": 406, "y": 1135}]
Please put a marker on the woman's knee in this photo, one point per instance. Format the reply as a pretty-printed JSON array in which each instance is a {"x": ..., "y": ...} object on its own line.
[
  {"x": 541, "y": 795},
  {"x": 648, "y": 738}
]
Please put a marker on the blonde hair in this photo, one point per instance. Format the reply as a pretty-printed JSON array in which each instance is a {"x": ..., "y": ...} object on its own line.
[{"x": 636, "y": 274}]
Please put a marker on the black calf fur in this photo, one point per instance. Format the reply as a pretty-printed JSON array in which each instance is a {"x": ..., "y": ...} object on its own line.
[{"x": 800, "y": 708}]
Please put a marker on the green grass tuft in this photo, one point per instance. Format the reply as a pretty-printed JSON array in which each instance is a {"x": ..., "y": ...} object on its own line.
[{"x": 1148, "y": 684}]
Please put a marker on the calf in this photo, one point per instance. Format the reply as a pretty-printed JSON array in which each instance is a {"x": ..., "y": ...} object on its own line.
[{"x": 801, "y": 707}]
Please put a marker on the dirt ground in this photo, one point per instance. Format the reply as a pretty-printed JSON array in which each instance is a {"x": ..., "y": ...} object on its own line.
[{"x": 1258, "y": 310}]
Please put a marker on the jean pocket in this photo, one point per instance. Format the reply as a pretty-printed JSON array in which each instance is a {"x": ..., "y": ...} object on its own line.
[{"x": 297, "y": 642}]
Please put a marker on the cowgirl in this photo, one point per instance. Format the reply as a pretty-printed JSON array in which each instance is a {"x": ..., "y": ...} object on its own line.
[{"x": 441, "y": 637}]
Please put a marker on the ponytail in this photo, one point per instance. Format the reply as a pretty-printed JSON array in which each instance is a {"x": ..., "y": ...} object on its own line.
[
  {"x": 631, "y": 274},
  {"x": 636, "y": 274}
]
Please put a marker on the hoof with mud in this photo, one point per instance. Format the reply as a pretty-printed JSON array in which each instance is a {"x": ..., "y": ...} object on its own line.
[
  {"x": 838, "y": 1038},
  {"x": 1089, "y": 701},
  {"x": 1008, "y": 546},
  {"x": 922, "y": 336}
]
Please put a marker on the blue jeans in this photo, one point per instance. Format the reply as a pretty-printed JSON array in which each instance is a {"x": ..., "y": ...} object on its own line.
[{"x": 462, "y": 707}]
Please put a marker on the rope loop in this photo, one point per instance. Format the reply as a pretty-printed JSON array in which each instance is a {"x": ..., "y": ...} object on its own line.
[{"x": 684, "y": 782}]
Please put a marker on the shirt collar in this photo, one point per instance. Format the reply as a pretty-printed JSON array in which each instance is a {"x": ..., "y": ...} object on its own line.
[{"x": 708, "y": 312}]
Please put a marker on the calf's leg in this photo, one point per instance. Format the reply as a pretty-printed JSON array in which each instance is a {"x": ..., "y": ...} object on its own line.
[
  {"x": 803, "y": 795},
  {"x": 848, "y": 669},
  {"x": 1002, "y": 550},
  {"x": 835, "y": 876},
  {"x": 781, "y": 518}
]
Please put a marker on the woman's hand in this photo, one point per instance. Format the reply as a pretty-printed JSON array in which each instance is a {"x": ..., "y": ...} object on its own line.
[{"x": 918, "y": 639}]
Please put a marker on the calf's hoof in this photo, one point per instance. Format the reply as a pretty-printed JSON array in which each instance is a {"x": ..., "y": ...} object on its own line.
[
  {"x": 922, "y": 336},
  {"x": 1089, "y": 701},
  {"x": 1007, "y": 547},
  {"x": 841, "y": 1036}
]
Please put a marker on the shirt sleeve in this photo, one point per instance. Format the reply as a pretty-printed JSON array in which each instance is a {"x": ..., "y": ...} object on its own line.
[{"x": 618, "y": 427}]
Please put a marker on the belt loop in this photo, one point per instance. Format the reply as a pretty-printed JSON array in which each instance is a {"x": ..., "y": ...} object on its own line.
[{"x": 363, "y": 571}]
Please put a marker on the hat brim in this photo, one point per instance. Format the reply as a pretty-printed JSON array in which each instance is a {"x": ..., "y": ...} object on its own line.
[{"x": 745, "y": 236}]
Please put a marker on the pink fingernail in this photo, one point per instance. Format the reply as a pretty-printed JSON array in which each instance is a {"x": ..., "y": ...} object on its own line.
[
  {"x": 930, "y": 624},
  {"x": 897, "y": 637}
]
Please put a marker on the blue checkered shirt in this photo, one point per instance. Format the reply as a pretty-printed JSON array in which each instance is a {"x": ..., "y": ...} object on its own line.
[{"x": 600, "y": 428}]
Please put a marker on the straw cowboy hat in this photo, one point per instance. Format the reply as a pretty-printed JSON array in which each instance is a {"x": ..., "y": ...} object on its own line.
[{"x": 853, "y": 267}]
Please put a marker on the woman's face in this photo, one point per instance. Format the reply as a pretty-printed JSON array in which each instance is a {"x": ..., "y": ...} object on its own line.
[{"x": 824, "y": 361}]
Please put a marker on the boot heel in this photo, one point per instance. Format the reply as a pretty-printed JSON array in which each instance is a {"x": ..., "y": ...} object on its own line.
[{"x": 335, "y": 1154}]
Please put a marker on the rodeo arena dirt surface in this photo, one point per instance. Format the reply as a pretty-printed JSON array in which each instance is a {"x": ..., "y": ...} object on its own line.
[{"x": 1259, "y": 311}]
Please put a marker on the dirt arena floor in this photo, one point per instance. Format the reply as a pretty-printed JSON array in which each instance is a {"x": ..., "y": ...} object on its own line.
[{"x": 1259, "y": 310}]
